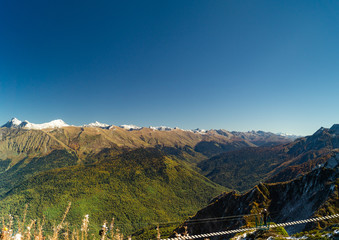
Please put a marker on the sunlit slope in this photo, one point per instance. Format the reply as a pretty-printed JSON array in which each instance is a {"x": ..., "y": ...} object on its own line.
[
  {"x": 16, "y": 144},
  {"x": 85, "y": 140}
]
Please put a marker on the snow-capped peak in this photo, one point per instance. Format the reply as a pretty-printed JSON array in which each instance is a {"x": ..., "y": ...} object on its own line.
[
  {"x": 16, "y": 123},
  {"x": 161, "y": 128},
  {"x": 13, "y": 123},
  {"x": 98, "y": 124},
  {"x": 201, "y": 131},
  {"x": 289, "y": 135},
  {"x": 52, "y": 124},
  {"x": 130, "y": 127}
]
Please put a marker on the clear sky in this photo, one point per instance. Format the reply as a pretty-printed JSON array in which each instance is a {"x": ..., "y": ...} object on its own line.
[{"x": 236, "y": 65}]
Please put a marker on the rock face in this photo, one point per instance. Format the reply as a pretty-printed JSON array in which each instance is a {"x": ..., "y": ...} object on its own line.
[{"x": 313, "y": 194}]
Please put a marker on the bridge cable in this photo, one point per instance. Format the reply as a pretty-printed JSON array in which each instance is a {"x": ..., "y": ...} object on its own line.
[{"x": 206, "y": 235}]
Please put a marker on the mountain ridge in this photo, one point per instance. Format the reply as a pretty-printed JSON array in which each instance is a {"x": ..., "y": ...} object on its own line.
[
  {"x": 59, "y": 123},
  {"x": 242, "y": 168},
  {"x": 311, "y": 195},
  {"x": 18, "y": 142},
  {"x": 45, "y": 162}
]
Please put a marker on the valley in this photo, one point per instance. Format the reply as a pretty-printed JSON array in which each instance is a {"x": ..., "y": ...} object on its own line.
[{"x": 145, "y": 176}]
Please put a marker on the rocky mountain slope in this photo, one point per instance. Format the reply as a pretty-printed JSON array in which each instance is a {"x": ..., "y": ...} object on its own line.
[
  {"x": 313, "y": 194},
  {"x": 19, "y": 140},
  {"x": 243, "y": 168}
]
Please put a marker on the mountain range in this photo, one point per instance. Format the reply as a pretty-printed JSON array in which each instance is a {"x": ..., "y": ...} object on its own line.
[
  {"x": 314, "y": 194},
  {"x": 239, "y": 169},
  {"x": 300, "y": 182},
  {"x": 18, "y": 142},
  {"x": 59, "y": 123},
  {"x": 144, "y": 175}
]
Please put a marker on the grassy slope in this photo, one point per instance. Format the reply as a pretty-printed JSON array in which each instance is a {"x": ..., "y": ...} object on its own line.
[{"x": 137, "y": 187}]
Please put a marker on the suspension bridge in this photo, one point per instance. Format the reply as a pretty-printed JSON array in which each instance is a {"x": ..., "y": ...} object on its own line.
[{"x": 207, "y": 235}]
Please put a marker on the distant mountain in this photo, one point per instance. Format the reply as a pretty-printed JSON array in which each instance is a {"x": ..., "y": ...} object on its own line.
[
  {"x": 93, "y": 137},
  {"x": 288, "y": 135},
  {"x": 258, "y": 138},
  {"x": 163, "y": 128},
  {"x": 308, "y": 153},
  {"x": 241, "y": 169},
  {"x": 261, "y": 138},
  {"x": 314, "y": 194},
  {"x": 136, "y": 174},
  {"x": 97, "y": 124},
  {"x": 15, "y": 123},
  {"x": 19, "y": 143}
]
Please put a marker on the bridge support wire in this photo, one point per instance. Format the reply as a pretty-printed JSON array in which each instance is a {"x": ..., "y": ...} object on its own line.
[{"x": 206, "y": 235}]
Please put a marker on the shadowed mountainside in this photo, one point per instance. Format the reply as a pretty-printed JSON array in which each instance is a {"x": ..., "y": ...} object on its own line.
[
  {"x": 314, "y": 194},
  {"x": 242, "y": 169}
]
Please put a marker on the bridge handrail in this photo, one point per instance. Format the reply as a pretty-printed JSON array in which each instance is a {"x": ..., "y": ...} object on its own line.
[{"x": 206, "y": 235}]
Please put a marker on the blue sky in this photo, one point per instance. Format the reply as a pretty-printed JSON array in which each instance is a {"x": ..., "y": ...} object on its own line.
[{"x": 237, "y": 65}]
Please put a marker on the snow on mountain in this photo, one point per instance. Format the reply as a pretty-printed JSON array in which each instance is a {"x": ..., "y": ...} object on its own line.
[
  {"x": 98, "y": 124},
  {"x": 13, "y": 123},
  {"x": 130, "y": 127},
  {"x": 288, "y": 135},
  {"x": 162, "y": 128},
  {"x": 201, "y": 131},
  {"x": 16, "y": 123},
  {"x": 53, "y": 124}
]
